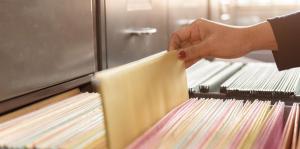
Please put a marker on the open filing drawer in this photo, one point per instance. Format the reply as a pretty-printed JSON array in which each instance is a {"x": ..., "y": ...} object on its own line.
[{"x": 134, "y": 106}]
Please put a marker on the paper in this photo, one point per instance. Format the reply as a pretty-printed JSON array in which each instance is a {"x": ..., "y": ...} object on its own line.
[
  {"x": 287, "y": 138},
  {"x": 263, "y": 80},
  {"x": 296, "y": 127},
  {"x": 214, "y": 123},
  {"x": 138, "y": 94},
  {"x": 39, "y": 105},
  {"x": 76, "y": 121}
]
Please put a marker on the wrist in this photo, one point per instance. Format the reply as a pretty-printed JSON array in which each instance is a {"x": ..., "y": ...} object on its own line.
[{"x": 260, "y": 37}]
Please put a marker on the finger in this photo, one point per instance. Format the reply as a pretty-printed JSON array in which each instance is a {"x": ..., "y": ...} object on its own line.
[
  {"x": 194, "y": 51},
  {"x": 195, "y": 34},
  {"x": 191, "y": 62},
  {"x": 185, "y": 44},
  {"x": 174, "y": 42},
  {"x": 184, "y": 34},
  {"x": 178, "y": 37}
]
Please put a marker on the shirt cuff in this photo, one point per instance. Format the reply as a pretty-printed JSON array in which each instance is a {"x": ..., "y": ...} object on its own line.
[{"x": 286, "y": 30}]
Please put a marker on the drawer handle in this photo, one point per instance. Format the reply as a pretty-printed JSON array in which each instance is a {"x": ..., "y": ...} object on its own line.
[{"x": 141, "y": 31}]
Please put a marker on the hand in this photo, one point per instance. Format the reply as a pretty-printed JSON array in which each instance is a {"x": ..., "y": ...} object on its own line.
[{"x": 204, "y": 38}]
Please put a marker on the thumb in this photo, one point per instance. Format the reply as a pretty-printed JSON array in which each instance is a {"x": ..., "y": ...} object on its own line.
[
  {"x": 191, "y": 62},
  {"x": 193, "y": 52}
]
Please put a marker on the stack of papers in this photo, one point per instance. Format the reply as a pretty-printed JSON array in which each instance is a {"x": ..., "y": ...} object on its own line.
[
  {"x": 238, "y": 79},
  {"x": 290, "y": 137},
  {"x": 214, "y": 123},
  {"x": 263, "y": 79},
  {"x": 75, "y": 122},
  {"x": 200, "y": 76}
]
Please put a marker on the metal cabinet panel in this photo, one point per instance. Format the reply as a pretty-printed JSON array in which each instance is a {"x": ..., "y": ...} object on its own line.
[
  {"x": 43, "y": 43},
  {"x": 135, "y": 29},
  {"x": 101, "y": 34},
  {"x": 184, "y": 12}
]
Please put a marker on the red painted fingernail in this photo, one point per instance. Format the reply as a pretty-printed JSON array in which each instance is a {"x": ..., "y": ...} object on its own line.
[{"x": 181, "y": 55}]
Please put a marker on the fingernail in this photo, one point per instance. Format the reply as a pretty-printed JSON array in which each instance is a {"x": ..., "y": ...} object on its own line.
[{"x": 181, "y": 55}]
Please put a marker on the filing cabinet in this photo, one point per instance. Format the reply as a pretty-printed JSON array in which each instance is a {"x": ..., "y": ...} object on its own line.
[
  {"x": 184, "y": 12},
  {"x": 134, "y": 29},
  {"x": 44, "y": 43}
]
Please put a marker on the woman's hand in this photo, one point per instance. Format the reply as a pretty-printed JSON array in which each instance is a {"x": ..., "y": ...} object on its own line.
[{"x": 204, "y": 38}]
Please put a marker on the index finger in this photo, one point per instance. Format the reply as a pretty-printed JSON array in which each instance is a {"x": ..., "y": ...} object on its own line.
[{"x": 178, "y": 37}]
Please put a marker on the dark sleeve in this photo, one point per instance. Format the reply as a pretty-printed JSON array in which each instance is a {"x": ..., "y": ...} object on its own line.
[{"x": 287, "y": 33}]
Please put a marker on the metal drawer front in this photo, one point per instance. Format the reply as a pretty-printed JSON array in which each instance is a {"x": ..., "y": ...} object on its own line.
[
  {"x": 43, "y": 43},
  {"x": 135, "y": 29},
  {"x": 184, "y": 12}
]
